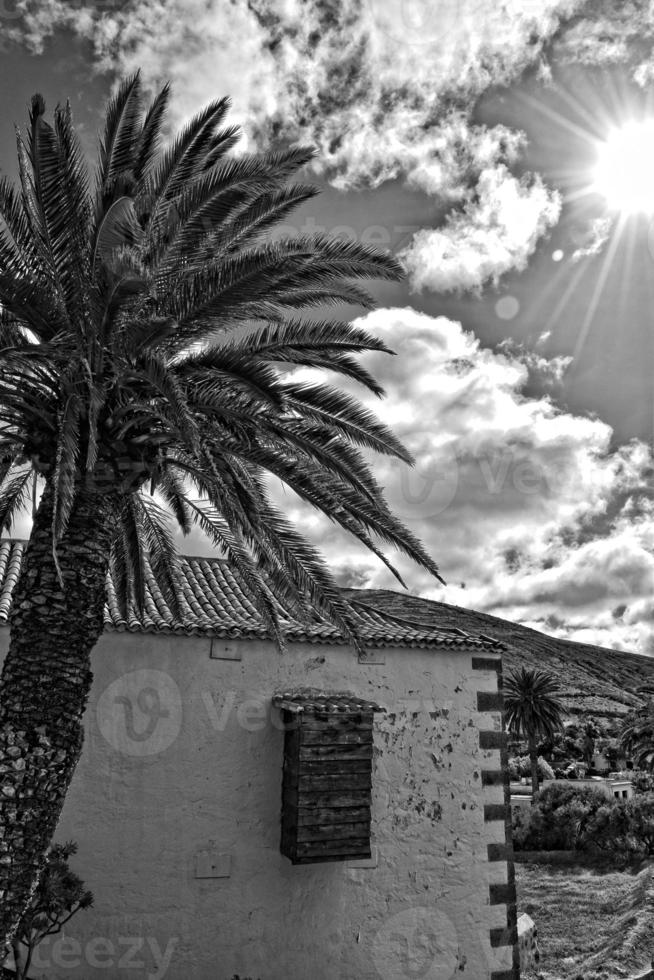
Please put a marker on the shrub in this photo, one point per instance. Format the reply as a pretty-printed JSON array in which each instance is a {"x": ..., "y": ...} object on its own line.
[
  {"x": 643, "y": 782},
  {"x": 545, "y": 770},
  {"x": 581, "y": 818},
  {"x": 639, "y": 813},
  {"x": 625, "y": 825},
  {"x": 521, "y": 828},
  {"x": 608, "y": 828},
  {"x": 520, "y": 766},
  {"x": 59, "y": 895},
  {"x": 561, "y": 815}
]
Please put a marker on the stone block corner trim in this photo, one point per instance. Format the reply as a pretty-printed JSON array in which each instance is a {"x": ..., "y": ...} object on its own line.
[{"x": 503, "y": 893}]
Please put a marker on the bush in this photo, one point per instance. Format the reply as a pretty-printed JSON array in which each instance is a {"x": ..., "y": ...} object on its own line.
[
  {"x": 520, "y": 766},
  {"x": 521, "y": 828},
  {"x": 545, "y": 770},
  {"x": 639, "y": 814},
  {"x": 643, "y": 782},
  {"x": 609, "y": 828},
  {"x": 560, "y": 818},
  {"x": 583, "y": 819},
  {"x": 60, "y": 893}
]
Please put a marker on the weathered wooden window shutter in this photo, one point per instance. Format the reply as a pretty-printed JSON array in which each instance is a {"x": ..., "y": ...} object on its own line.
[{"x": 327, "y": 776}]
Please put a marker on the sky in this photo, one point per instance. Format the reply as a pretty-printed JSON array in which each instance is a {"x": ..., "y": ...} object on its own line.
[{"x": 466, "y": 137}]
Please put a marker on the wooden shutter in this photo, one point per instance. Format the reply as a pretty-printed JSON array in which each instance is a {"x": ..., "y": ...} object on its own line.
[{"x": 327, "y": 778}]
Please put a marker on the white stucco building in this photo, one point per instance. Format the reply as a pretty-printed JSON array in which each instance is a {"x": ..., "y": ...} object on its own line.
[
  {"x": 176, "y": 804},
  {"x": 621, "y": 789}
]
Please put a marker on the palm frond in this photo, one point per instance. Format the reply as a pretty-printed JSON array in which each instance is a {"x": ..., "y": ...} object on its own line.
[
  {"x": 532, "y": 703},
  {"x": 218, "y": 530},
  {"x": 346, "y": 415},
  {"x": 153, "y": 529},
  {"x": 15, "y": 494},
  {"x": 120, "y": 142},
  {"x": 152, "y": 328},
  {"x": 281, "y": 341},
  {"x": 150, "y": 136},
  {"x": 172, "y": 490},
  {"x": 217, "y": 196}
]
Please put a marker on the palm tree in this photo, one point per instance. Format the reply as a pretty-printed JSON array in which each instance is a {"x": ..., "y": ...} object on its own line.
[
  {"x": 532, "y": 710},
  {"x": 589, "y": 735},
  {"x": 147, "y": 327},
  {"x": 637, "y": 736}
]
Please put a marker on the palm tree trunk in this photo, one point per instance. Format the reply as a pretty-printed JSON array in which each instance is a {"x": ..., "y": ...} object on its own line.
[
  {"x": 533, "y": 759},
  {"x": 45, "y": 684}
]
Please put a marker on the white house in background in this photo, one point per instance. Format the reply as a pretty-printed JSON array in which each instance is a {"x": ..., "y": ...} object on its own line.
[
  {"x": 621, "y": 789},
  {"x": 387, "y": 772},
  {"x": 618, "y": 788}
]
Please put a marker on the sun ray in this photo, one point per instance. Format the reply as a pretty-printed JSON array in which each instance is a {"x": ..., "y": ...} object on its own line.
[
  {"x": 599, "y": 286},
  {"x": 595, "y": 120},
  {"x": 571, "y": 197},
  {"x": 553, "y": 286},
  {"x": 626, "y": 280},
  {"x": 559, "y": 118},
  {"x": 565, "y": 298}
]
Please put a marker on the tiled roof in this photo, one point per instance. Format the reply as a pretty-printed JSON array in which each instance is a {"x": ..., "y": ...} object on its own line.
[
  {"x": 310, "y": 700},
  {"x": 214, "y": 603}
]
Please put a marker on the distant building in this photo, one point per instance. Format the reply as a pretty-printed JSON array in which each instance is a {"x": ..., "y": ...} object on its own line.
[{"x": 621, "y": 789}]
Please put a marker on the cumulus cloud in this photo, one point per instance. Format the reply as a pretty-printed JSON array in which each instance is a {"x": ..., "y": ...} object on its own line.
[
  {"x": 496, "y": 231},
  {"x": 525, "y": 504},
  {"x": 385, "y": 90},
  {"x": 611, "y": 32},
  {"x": 594, "y": 238}
]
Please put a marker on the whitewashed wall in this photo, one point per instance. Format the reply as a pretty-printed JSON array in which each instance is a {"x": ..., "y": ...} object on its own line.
[{"x": 181, "y": 776}]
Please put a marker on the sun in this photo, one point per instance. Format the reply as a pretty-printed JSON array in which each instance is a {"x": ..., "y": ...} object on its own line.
[{"x": 625, "y": 169}]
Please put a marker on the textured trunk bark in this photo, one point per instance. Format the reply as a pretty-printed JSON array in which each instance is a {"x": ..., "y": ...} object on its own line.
[
  {"x": 533, "y": 759},
  {"x": 44, "y": 687}
]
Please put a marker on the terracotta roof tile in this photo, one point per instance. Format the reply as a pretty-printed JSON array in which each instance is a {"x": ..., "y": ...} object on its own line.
[
  {"x": 311, "y": 700},
  {"x": 214, "y": 603}
]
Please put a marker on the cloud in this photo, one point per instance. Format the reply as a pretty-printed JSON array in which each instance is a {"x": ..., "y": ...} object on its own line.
[
  {"x": 524, "y": 503},
  {"x": 610, "y": 32},
  {"x": 593, "y": 238},
  {"x": 385, "y": 90},
  {"x": 495, "y": 232}
]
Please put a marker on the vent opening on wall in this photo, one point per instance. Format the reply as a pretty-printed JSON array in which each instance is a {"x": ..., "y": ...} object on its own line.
[{"x": 327, "y": 776}]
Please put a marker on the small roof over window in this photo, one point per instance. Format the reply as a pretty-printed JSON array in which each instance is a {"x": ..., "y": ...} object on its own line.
[{"x": 315, "y": 701}]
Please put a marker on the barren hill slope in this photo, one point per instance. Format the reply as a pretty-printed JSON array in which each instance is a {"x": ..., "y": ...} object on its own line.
[{"x": 593, "y": 679}]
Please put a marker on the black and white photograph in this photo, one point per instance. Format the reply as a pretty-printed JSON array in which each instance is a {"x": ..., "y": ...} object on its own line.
[{"x": 326, "y": 489}]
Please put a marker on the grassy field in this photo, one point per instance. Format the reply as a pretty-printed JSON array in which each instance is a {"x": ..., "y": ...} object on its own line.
[{"x": 595, "y": 926}]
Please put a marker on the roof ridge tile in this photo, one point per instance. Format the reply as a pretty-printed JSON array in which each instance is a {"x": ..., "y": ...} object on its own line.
[{"x": 213, "y": 602}]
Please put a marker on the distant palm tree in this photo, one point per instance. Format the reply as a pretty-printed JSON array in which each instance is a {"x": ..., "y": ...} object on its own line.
[
  {"x": 637, "y": 736},
  {"x": 589, "y": 735},
  {"x": 532, "y": 710},
  {"x": 147, "y": 326}
]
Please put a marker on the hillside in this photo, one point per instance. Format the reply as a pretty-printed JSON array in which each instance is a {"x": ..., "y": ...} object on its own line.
[{"x": 593, "y": 679}]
